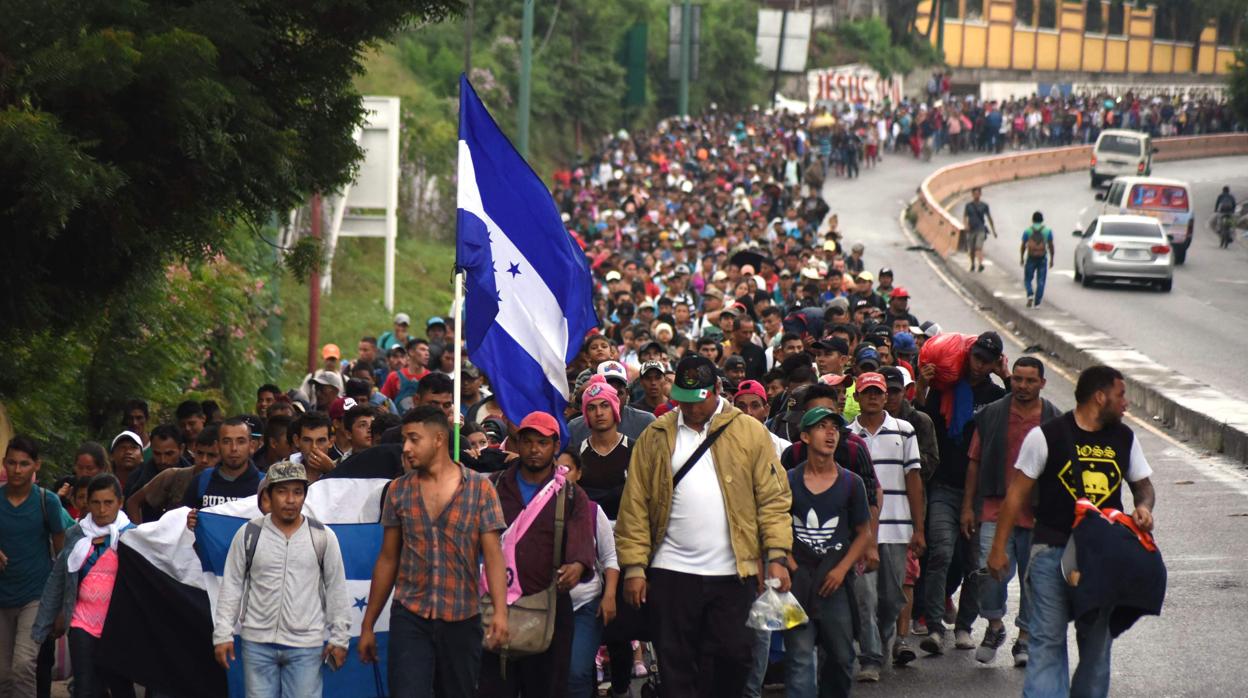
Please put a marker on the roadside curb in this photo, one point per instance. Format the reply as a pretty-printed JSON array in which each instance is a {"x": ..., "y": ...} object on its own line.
[{"x": 1196, "y": 410}]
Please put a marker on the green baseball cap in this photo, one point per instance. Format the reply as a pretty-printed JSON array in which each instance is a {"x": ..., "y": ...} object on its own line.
[
  {"x": 818, "y": 414},
  {"x": 695, "y": 379}
]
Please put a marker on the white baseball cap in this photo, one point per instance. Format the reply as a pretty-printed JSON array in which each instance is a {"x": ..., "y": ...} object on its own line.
[
  {"x": 126, "y": 435},
  {"x": 613, "y": 369},
  {"x": 402, "y": 319}
]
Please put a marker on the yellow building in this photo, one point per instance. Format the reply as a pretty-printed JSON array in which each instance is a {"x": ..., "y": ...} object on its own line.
[{"x": 1071, "y": 36}]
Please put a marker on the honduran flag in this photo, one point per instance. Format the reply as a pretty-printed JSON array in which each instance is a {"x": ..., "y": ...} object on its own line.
[{"x": 159, "y": 626}]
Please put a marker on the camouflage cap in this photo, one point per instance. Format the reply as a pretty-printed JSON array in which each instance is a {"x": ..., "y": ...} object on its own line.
[{"x": 285, "y": 471}]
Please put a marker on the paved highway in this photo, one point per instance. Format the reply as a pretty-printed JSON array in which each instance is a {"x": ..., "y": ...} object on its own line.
[
  {"x": 1198, "y": 329},
  {"x": 1202, "y": 501}
]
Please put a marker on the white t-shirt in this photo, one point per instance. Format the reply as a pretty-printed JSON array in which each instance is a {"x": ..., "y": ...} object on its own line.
[
  {"x": 697, "y": 540},
  {"x": 1034, "y": 453},
  {"x": 604, "y": 541}
]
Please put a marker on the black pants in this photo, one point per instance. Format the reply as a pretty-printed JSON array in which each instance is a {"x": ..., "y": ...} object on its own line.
[
  {"x": 433, "y": 657},
  {"x": 90, "y": 679},
  {"x": 542, "y": 675},
  {"x": 698, "y": 627}
]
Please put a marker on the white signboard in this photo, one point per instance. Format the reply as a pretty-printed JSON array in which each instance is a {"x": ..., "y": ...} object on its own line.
[
  {"x": 854, "y": 84},
  {"x": 796, "y": 39}
]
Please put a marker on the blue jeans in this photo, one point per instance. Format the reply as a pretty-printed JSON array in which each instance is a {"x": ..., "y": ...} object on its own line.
[
  {"x": 832, "y": 624},
  {"x": 279, "y": 671},
  {"x": 433, "y": 657},
  {"x": 1039, "y": 268},
  {"x": 880, "y": 599},
  {"x": 944, "y": 538},
  {"x": 586, "y": 638},
  {"x": 993, "y": 594},
  {"x": 1048, "y": 668},
  {"x": 760, "y": 662}
]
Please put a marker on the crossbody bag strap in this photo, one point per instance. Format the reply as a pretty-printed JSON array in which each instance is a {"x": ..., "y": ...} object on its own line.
[
  {"x": 697, "y": 455},
  {"x": 560, "y": 506}
]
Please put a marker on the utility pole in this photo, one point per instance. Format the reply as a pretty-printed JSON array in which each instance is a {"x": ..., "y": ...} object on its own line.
[
  {"x": 314, "y": 293},
  {"x": 686, "y": 55},
  {"x": 775, "y": 80},
  {"x": 468, "y": 38},
  {"x": 526, "y": 77},
  {"x": 940, "y": 26}
]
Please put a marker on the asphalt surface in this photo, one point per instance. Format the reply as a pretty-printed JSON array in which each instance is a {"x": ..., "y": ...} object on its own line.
[
  {"x": 1198, "y": 327},
  {"x": 1202, "y": 500}
]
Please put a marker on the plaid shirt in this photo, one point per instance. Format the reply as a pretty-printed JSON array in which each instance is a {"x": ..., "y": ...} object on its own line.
[{"x": 438, "y": 566}]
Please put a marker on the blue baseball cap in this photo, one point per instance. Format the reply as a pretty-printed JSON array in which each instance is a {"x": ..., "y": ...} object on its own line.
[
  {"x": 435, "y": 320},
  {"x": 903, "y": 342}
]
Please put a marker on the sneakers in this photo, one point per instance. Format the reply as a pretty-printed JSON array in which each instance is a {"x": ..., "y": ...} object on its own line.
[
  {"x": 993, "y": 639},
  {"x": 1019, "y": 650},
  {"x": 934, "y": 643},
  {"x": 962, "y": 640},
  {"x": 919, "y": 627},
  {"x": 902, "y": 654},
  {"x": 868, "y": 674},
  {"x": 1030, "y": 300}
]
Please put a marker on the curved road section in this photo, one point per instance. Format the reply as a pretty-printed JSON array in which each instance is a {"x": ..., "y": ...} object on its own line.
[{"x": 1178, "y": 349}]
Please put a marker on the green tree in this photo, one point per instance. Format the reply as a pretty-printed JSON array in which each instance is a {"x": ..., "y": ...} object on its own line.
[
  {"x": 1238, "y": 83},
  {"x": 134, "y": 134}
]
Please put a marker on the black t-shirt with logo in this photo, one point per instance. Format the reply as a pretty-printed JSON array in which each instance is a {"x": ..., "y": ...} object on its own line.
[
  {"x": 219, "y": 489},
  {"x": 1068, "y": 463}
]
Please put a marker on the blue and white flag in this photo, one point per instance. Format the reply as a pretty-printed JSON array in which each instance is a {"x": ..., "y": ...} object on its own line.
[
  {"x": 528, "y": 295},
  {"x": 159, "y": 627}
]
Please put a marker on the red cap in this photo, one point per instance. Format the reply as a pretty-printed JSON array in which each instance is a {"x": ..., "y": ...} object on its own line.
[
  {"x": 545, "y": 424},
  {"x": 833, "y": 379},
  {"x": 900, "y": 292},
  {"x": 871, "y": 380},
  {"x": 338, "y": 408},
  {"x": 751, "y": 388}
]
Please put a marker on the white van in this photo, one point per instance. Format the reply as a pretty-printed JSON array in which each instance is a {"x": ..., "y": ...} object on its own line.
[
  {"x": 1167, "y": 200},
  {"x": 1119, "y": 152}
]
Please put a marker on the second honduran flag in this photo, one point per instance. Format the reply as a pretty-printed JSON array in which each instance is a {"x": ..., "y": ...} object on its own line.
[{"x": 159, "y": 627}]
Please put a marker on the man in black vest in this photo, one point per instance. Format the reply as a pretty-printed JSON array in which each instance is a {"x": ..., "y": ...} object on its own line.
[
  {"x": 1087, "y": 452},
  {"x": 999, "y": 432}
]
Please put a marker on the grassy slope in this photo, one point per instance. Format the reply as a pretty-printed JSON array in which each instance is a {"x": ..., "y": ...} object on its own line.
[{"x": 355, "y": 308}]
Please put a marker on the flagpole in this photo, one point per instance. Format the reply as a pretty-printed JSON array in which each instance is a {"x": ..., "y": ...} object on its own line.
[{"x": 458, "y": 311}]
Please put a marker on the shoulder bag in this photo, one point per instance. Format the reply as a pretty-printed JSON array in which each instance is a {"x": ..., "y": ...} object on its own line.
[{"x": 531, "y": 618}]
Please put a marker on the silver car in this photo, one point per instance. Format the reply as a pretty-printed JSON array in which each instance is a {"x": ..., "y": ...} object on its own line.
[{"x": 1130, "y": 248}]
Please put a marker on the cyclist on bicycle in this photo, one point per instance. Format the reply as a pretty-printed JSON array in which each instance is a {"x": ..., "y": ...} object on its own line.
[{"x": 1224, "y": 208}]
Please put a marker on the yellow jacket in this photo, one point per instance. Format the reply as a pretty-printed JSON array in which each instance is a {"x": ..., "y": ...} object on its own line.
[{"x": 754, "y": 485}]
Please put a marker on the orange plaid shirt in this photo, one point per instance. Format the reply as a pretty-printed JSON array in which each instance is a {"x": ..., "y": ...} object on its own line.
[{"x": 439, "y": 562}]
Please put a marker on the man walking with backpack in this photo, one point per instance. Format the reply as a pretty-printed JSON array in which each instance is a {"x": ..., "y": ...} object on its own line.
[
  {"x": 285, "y": 616},
  {"x": 1036, "y": 255},
  {"x": 31, "y": 532}
]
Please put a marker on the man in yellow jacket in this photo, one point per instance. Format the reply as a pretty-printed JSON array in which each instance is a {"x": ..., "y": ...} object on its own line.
[{"x": 706, "y": 504}]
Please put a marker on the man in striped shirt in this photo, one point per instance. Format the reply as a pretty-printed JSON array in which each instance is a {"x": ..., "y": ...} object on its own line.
[{"x": 895, "y": 455}]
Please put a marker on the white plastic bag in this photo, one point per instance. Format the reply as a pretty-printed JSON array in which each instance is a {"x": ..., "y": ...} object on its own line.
[{"x": 776, "y": 610}]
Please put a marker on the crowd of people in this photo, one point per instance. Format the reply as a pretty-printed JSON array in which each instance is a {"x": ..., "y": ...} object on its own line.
[
  {"x": 752, "y": 407},
  {"x": 850, "y": 135}
]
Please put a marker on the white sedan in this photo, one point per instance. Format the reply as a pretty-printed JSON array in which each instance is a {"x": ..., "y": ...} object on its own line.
[{"x": 1127, "y": 248}]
